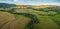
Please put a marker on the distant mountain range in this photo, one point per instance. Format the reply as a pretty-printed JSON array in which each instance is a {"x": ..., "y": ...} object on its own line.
[{"x": 6, "y": 5}]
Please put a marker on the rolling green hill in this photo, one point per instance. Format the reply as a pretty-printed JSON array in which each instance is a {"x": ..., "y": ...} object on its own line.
[{"x": 45, "y": 18}]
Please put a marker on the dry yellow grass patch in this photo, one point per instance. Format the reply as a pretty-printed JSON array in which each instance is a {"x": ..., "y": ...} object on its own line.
[{"x": 10, "y": 21}]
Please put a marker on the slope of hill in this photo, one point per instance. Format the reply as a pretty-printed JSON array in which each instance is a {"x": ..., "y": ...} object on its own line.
[
  {"x": 29, "y": 18},
  {"x": 44, "y": 6},
  {"x": 36, "y": 7}
]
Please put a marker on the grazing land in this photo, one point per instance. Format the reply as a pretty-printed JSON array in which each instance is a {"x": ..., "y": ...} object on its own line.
[{"x": 30, "y": 18}]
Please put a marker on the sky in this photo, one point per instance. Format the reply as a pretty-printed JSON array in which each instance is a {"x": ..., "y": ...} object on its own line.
[{"x": 32, "y": 2}]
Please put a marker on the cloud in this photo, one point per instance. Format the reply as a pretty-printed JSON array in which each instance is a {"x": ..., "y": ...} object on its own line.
[{"x": 32, "y": 2}]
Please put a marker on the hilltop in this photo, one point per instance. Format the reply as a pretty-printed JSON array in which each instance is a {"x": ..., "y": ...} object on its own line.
[{"x": 36, "y": 7}]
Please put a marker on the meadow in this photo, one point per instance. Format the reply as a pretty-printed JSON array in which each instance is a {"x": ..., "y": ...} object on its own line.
[{"x": 31, "y": 18}]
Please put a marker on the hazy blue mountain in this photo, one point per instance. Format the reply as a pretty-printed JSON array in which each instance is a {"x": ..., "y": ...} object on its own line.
[{"x": 4, "y": 5}]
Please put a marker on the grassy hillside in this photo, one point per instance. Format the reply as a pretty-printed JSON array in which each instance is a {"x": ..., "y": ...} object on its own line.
[{"x": 30, "y": 18}]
